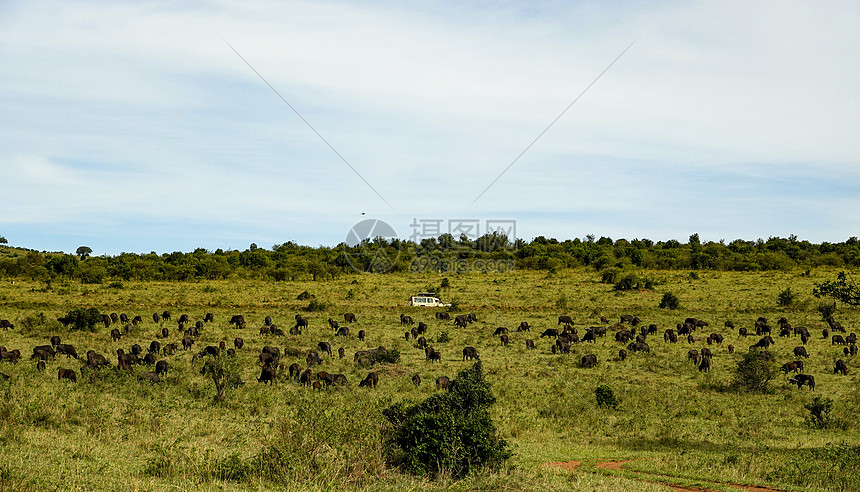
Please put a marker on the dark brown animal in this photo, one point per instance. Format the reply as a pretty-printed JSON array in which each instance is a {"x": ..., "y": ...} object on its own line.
[
  {"x": 530, "y": 344},
  {"x": 443, "y": 316},
  {"x": 800, "y": 352},
  {"x": 565, "y": 320},
  {"x": 267, "y": 375},
  {"x": 343, "y": 331},
  {"x": 705, "y": 365},
  {"x": 67, "y": 350},
  {"x": 341, "y": 352},
  {"x": 789, "y": 367},
  {"x": 348, "y": 318},
  {"x": 6, "y": 324},
  {"x": 416, "y": 380},
  {"x": 443, "y": 383},
  {"x": 841, "y": 368},
  {"x": 115, "y": 334},
  {"x": 406, "y": 320},
  {"x": 622, "y": 354},
  {"x": 504, "y": 339},
  {"x": 524, "y": 326},
  {"x": 161, "y": 367},
  {"x": 589, "y": 360},
  {"x": 470, "y": 353},
  {"x": 209, "y": 318},
  {"x": 802, "y": 379},
  {"x": 371, "y": 381},
  {"x": 325, "y": 347},
  {"x": 361, "y": 335},
  {"x": 67, "y": 374},
  {"x": 55, "y": 340},
  {"x": 550, "y": 332}
]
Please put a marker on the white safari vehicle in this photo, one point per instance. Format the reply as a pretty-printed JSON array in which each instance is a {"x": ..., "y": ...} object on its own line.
[{"x": 426, "y": 299}]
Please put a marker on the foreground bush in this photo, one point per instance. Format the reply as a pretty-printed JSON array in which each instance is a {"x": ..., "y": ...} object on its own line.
[
  {"x": 450, "y": 433},
  {"x": 755, "y": 371}
]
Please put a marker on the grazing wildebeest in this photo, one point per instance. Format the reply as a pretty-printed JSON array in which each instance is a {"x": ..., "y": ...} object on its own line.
[
  {"x": 802, "y": 379},
  {"x": 67, "y": 374},
  {"x": 416, "y": 380},
  {"x": 670, "y": 336},
  {"x": 422, "y": 327},
  {"x": 348, "y": 318},
  {"x": 267, "y": 375},
  {"x": 461, "y": 321},
  {"x": 841, "y": 367},
  {"x": 325, "y": 347},
  {"x": 716, "y": 338},
  {"x": 588, "y": 336},
  {"x": 209, "y": 318},
  {"x": 851, "y": 339},
  {"x": 40, "y": 366},
  {"x": 743, "y": 331},
  {"x": 361, "y": 335},
  {"x": 799, "y": 364},
  {"x": 565, "y": 319},
  {"x": 471, "y": 317},
  {"x": 165, "y": 333},
  {"x": 115, "y": 334},
  {"x": 499, "y": 331},
  {"x": 706, "y": 352},
  {"x": 156, "y": 317},
  {"x": 623, "y": 336},
  {"x": 106, "y": 320},
  {"x": 524, "y": 326},
  {"x": 852, "y": 350},
  {"x": 149, "y": 359},
  {"x": 161, "y": 367},
  {"x": 68, "y": 350},
  {"x": 443, "y": 316},
  {"x": 763, "y": 343},
  {"x": 622, "y": 354},
  {"x": 504, "y": 339},
  {"x": 125, "y": 361},
  {"x": 11, "y": 355},
  {"x": 470, "y": 353},
  {"x": 800, "y": 352},
  {"x": 6, "y": 324},
  {"x": 305, "y": 377},
  {"x": 137, "y": 320},
  {"x": 789, "y": 367},
  {"x": 341, "y": 352},
  {"x": 434, "y": 356},
  {"x": 422, "y": 342},
  {"x": 238, "y": 343},
  {"x": 406, "y": 320},
  {"x": 187, "y": 342},
  {"x": 123, "y": 318},
  {"x": 333, "y": 324},
  {"x": 443, "y": 383},
  {"x": 154, "y": 347},
  {"x": 652, "y": 329},
  {"x": 238, "y": 320},
  {"x": 343, "y": 331},
  {"x": 837, "y": 340},
  {"x": 136, "y": 349},
  {"x": 639, "y": 347},
  {"x": 371, "y": 381},
  {"x": 313, "y": 358},
  {"x": 626, "y": 318},
  {"x": 834, "y": 325},
  {"x": 55, "y": 340},
  {"x": 705, "y": 365},
  {"x": 729, "y": 325},
  {"x": 184, "y": 318},
  {"x": 530, "y": 344},
  {"x": 326, "y": 378},
  {"x": 731, "y": 349},
  {"x": 550, "y": 332},
  {"x": 40, "y": 354},
  {"x": 693, "y": 355},
  {"x": 589, "y": 360}
]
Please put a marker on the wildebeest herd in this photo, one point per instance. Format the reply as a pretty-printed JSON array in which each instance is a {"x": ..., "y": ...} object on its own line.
[{"x": 630, "y": 332}]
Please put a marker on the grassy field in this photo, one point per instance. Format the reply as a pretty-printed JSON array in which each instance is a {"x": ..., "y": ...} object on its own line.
[{"x": 115, "y": 431}]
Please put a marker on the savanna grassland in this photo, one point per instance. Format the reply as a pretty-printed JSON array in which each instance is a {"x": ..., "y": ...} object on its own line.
[{"x": 679, "y": 425}]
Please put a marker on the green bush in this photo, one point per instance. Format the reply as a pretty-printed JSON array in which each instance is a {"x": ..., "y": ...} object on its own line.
[
  {"x": 605, "y": 397},
  {"x": 819, "y": 412},
  {"x": 443, "y": 337},
  {"x": 448, "y": 434},
  {"x": 754, "y": 372},
  {"x": 669, "y": 301},
  {"x": 391, "y": 356},
  {"x": 786, "y": 298},
  {"x": 82, "y": 319},
  {"x": 826, "y": 309},
  {"x": 304, "y": 296},
  {"x": 315, "y": 305}
]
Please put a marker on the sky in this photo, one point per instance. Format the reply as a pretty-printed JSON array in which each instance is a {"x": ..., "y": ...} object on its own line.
[{"x": 135, "y": 126}]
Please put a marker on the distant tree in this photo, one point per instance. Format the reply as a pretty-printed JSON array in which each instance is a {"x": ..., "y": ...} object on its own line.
[
  {"x": 3, "y": 240},
  {"x": 83, "y": 252}
]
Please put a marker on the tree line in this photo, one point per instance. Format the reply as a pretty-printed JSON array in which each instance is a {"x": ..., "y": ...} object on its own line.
[{"x": 291, "y": 261}]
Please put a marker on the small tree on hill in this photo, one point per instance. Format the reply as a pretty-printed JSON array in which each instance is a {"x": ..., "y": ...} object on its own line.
[
  {"x": 84, "y": 252},
  {"x": 450, "y": 433},
  {"x": 3, "y": 240},
  {"x": 842, "y": 290},
  {"x": 82, "y": 319},
  {"x": 755, "y": 371}
]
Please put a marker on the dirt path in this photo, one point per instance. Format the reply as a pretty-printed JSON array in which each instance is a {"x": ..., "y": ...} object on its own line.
[{"x": 659, "y": 479}]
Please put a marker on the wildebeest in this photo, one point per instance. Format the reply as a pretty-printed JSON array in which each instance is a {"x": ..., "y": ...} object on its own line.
[
  {"x": 136, "y": 320},
  {"x": 209, "y": 318},
  {"x": 443, "y": 383},
  {"x": 40, "y": 354},
  {"x": 348, "y": 318},
  {"x": 371, "y": 381},
  {"x": 416, "y": 380},
  {"x": 154, "y": 347},
  {"x": 184, "y": 318},
  {"x": 589, "y": 360},
  {"x": 95, "y": 360},
  {"x": 500, "y": 331},
  {"x": 115, "y": 334},
  {"x": 716, "y": 338},
  {"x": 742, "y": 331},
  {"x": 731, "y": 349},
  {"x": 406, "y": 320},
  {"x": 670, "y": 336},
  {"x": 763, "y": 343},
  {"x": 313, "y": 358},
  {"x": 789, "y": 367},
  {"x": 802, "y": 379},
  {"x": 729, "y": 325},
  {"x": 638, "y": 347},
  {"x": 565, "y": 320},
  {"x": 361, "y": 335},
  {"x": 550, "y": 332},
  {"x": 149, "y": 376},
  {"x": 238, "y": 320},
  {"x": 470, "y": 353},
  {"x": 837, "y": 340},
  {"x": 841, "y": 367},
  {"x": 187, "y": 342},
  {"x": 10, "y": 355},
  {"x": 705, "y": 365},
  {"x": 524, "y": 326},
  {"x": 55, "y": 340},
  {"x": 343, "y": 331},
  {"x": 471, "y": 317},
  {"x": 443, "y": 316},
  {"x": 434, "y": 356},
  {"x": 325, "y": 347},
  {"x": 623, "y": 336},
  {"x": 851, "y": 339},
  {"x": 800, "y": 352},
  {"x": 136, "y": 349},
  {"x": 706, "y": 352},
  {"x": 333, "y": 324},
  {"x": 149, "y": 359},
  {"x": 799, "y": 364},
  {"x": 504, "y": 339},
  {"x": 622, "y": 354},
  {"x": 422, "y": 342},
  {"x": 125, "y": 361},
  {"x": 626, "y": 318},
  {"x": 422, "y": 327},
  {"x": 106, "y": 320},
  {"x": 238, "y": 343},
  {"x": 305, "y": 377},
  {"x": 341, "y": 352},
  {"x": 461, "y": 321},
  {"x": 530, "y": 344},
  {"x": 67, "y": 374},
  {"x": 6, "y": 324},
  {"x": 693, "y": 355},
  {"x": 156, "y": 317},
  {"x": 852, "y": 350},
  {"x": 68, "y": 350}
]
